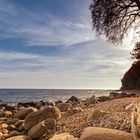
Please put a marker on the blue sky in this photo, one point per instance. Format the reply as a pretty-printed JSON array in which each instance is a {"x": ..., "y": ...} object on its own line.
[{"x": 50, "y": 44}]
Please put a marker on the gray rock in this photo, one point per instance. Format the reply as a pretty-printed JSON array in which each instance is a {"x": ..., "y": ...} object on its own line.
[
  {"x": 91, "y": 100},
  {"x": 64, "y": 106},
  {"x": 116, "y": 95},
  {"x": 73, "y": 99},
  {"x": 103, "y": 98}
]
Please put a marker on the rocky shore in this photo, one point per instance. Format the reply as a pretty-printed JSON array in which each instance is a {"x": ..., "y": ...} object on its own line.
[{"x": 74, "y": 119}]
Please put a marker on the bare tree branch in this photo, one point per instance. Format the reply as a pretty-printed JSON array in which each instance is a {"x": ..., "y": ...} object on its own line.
[{"x": 114, "y": 17}]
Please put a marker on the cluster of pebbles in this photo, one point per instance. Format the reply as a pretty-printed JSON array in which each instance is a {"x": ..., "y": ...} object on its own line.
[{"x": 117, "y": 116}]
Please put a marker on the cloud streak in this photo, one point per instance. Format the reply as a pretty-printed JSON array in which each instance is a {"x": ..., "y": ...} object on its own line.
[
  {"x": 50, "y": 44},
  {"x": 42, "y": 29}
]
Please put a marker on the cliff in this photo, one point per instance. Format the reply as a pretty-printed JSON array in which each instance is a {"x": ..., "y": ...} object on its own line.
[{"x": 131, "y": 79}]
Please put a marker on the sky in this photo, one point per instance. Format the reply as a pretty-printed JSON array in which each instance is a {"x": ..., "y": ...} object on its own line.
[{"x": 51, "y": 44}]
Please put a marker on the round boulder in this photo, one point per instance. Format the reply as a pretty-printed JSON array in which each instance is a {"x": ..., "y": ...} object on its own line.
[
  {"x": 35, "y": 117},
  {"x": 73, "y": 99},
  {"x": 64, "y": 106},
  {"x": 42, "y": 128},
  {"x": 24, "y": 112}
]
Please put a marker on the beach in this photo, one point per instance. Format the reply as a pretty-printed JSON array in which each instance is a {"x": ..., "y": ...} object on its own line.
[{"x": 72, "y": 116}]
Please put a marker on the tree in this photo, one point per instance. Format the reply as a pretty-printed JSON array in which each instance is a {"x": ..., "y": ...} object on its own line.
[
  {"x": 114, "y": 18},
  {"x": 136, "y": 51}
]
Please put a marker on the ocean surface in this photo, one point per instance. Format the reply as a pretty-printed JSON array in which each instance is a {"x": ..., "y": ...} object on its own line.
[{"x": 25, "y": 95}]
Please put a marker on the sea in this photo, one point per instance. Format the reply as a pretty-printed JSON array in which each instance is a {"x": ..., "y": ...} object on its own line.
[{"x": 27, "y": 95}]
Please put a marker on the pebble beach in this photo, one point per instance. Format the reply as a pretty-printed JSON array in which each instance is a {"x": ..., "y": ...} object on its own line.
[{"x": 45, "y": 120}]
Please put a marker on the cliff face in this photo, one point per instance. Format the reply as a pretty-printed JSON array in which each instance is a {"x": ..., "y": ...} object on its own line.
[{"x": 131, "y": 79}]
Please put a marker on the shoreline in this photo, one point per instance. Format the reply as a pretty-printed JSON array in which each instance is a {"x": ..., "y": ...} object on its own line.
[
  {"x": 28, "y": 95},
  {"x": 102, "y": 92},
  {"x": 75, "y": 114}
]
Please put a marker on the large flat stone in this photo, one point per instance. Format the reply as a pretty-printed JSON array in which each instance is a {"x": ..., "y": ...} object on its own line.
[{"x": 96, "y": 133}]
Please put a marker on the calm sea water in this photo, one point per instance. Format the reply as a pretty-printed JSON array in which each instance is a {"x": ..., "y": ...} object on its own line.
[{"x": 25, "y": 95}]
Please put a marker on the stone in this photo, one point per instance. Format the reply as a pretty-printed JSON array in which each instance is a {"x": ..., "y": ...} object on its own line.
[
  {"x": 19, "y": 123},
  {"x": 27, "y": 104},
  {"x": 21, "y": 137},
  {"x": 21, "y": 107},
  {"x": 64, "y": 106},
  {"x": 13, "y": 133},
  {"x": 113, "y": 95},
  {"x": 36, "y": 117},
  {"x": 103, "y": 98},
  {"x": 73, "y": 99},
  {"x": 73, "y": 111},
  {"x": 42, "y": 128},
  {"x": 96, "y": 133},
  {"x": 8, "y": 114},
  {"x": 130, "y": 107},
  {"x": 51, "y": 103},
  {"x": 11, "y": 127},
  {"x": 123, "y": 94},
  {"x": 135, "y": 122},
  {"x": 4, "y": 131},
  {"x": 12, "y": 121},
  {"x": 116, "y": 95},
  {"x": 91, "y": 100},
  {"x": 58, "y": 102},
  {"x": 3, "y": 119},
  {"x": 24, "y": 112},
  {"x": 4, "y": 125},
  {"x": 95, "y": 114},
  {"x": 3, "y": 105},
  {"x": 132, "y": 95},
  {"x": 1, "y": 135},
  {"x": 2, "y": 114},
  {"x": 63, "y": 136},
  {"x": 10, "y": 107},
  {"x": 21, "y": 127}
]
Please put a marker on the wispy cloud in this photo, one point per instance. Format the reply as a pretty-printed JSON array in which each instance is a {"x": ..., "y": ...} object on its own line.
[
  {"x": 78, "y": 59},
  {"x": 42, "y": 29}
]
